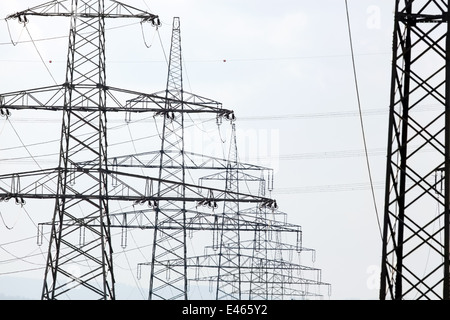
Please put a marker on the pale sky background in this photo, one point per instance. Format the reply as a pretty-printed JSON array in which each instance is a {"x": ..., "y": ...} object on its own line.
[{"x": 284, "y": 67}]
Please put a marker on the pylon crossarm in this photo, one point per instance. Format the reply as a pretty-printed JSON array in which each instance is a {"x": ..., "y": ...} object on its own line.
[
  {"x": 63, "y": 8},
  {"x": 45, "y": 98},
  {"x": 40, "y": 184},
  {"x": 208, "y": 162},
  {"x": 151, "y": 160},
  {"x": 48, "y": 9},
  {"x": 204, "y": 196},
  {"x": 275, "y": 245},
  {"x": 270, "y": 265},
  {"x": 270, "y": 278},
  {"x": 140, "y": 218},
  {"x": 121, "y": 10},
  {"x": 162, "y": 104},
  {"x": 32, "y": 184},
  {"x": 271, "y": 283},
  {"x": 424, "y": 18},
  {"x": 242, "y": 176},
  {"x": 51, "y": 98}
]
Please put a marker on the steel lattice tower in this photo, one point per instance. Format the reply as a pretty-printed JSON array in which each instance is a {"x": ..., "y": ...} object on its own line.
[
  {"x": 415, "y": 256},
  {"x": 83, "y": 137},
  {"x": 85, "y": 80},
  {"x": 228, "y": 228},
  {"x": 232, "y": 264},
  {"x": 171, "y": 244},
  {"x": 80, "y": 230},
  {"x": 229, "y": 272}
]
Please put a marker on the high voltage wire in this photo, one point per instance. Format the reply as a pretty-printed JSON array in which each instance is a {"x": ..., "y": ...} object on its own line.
[
  {"x": 298, "y": 156},
  {"x": 285, "y": 190},
  {"x": 361, "y": 120},
  {"x": 55, "y": 37},
  {"x": 200, "y": 60},
  {"x": 40, "y": 55},
  {"x": 250, "y": 59},
  {"x": 334, "y": 114},
  {"x": 325, "y": 115},
  {"x": 285, "y": 117},
  {"x": 21, "y": 271},
  {"x": 25, "y": 160},
  {"x": 330, "y": 188},
  {"x": 31, "y": 255},
  {"x": 58, "y": 140},
  {"x": 23, "y": 144}
]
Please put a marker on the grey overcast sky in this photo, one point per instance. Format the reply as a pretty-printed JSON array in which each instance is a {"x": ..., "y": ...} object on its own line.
[{"x": 284, "y": 67}]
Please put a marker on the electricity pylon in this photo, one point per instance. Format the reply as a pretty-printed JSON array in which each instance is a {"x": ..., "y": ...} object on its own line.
[
  {"x": 169, "y": 277},
  {"x": 83, "y": 136},
  {"x": 416, "y": 231},
  {"x": 233, "y": 264},
  {"x": 171, "y": 244},
  {"x": 229, "y": 271},
  {"x": 83, "y": 192},
  {"x": 88, "y": 181}
]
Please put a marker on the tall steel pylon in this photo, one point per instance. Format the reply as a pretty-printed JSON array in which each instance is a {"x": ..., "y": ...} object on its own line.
[
  {"x": 232, "y": 265},
  {"x": 80, "y": 249},
  {"x": 169, "y": 278},
  {"x": 88, "y": 181},
  {"x": 83, "y": 137},
  {"x": 228, "y": 228},
  {"x": 229, "y": 271},
  {"x": 253, "y": 252},
  {"x": 416, "y": 230}
]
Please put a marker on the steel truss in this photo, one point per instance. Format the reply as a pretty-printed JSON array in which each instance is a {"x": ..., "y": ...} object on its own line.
[
  {"x": 415, "y": 257},
  {"x": 245, "y": 246},
  {"x": 248, "y": 258},
  {"x": 83, "y": 101}
]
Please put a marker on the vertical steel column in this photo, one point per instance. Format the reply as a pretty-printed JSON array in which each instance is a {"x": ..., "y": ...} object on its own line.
[
  {"x": 229, "y": 268},
  {"x": 87, "y": 264},
  {"x": 446, "y": 284},
  {"x": 416, "y": 218},
  {"x": 259, "y": 275}
]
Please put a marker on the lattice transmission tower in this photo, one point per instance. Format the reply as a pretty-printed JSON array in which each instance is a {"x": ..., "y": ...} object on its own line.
[
  {"x": 85, "y": 184},
  {"x": 416, "y": 233},
  {"x": 248, "y": 255},
  {"x": 227, "y": 270}
]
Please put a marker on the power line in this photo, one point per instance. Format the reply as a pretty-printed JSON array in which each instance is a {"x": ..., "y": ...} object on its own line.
[
  {"x": 111, "y": 144},
  {"x": 40, "y": 56},
  {"x": 21, "y": 271},
  {"x": 295, "y": 156},
  {"x": 334, "y": 114},
  {"x": 361, "y": 120},
  {"x": 330, "y": 188},
  {"x": 23, "y": 144},
  {"x": 104, "y": 243},
  {"x": 284, "y": 117},
  {"x": 52, "y": 38}
]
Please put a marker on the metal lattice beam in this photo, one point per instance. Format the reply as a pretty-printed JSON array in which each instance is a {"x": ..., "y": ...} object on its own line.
[
  {"x": 83, "y": 138},
  {"x": 87, "y": 180}
]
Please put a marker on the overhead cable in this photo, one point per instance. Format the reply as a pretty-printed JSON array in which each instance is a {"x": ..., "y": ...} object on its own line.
[{"x": 361, "y": 120}]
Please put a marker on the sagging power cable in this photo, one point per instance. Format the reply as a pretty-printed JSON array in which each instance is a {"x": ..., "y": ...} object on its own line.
[{"x": 40, "y": 56}]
